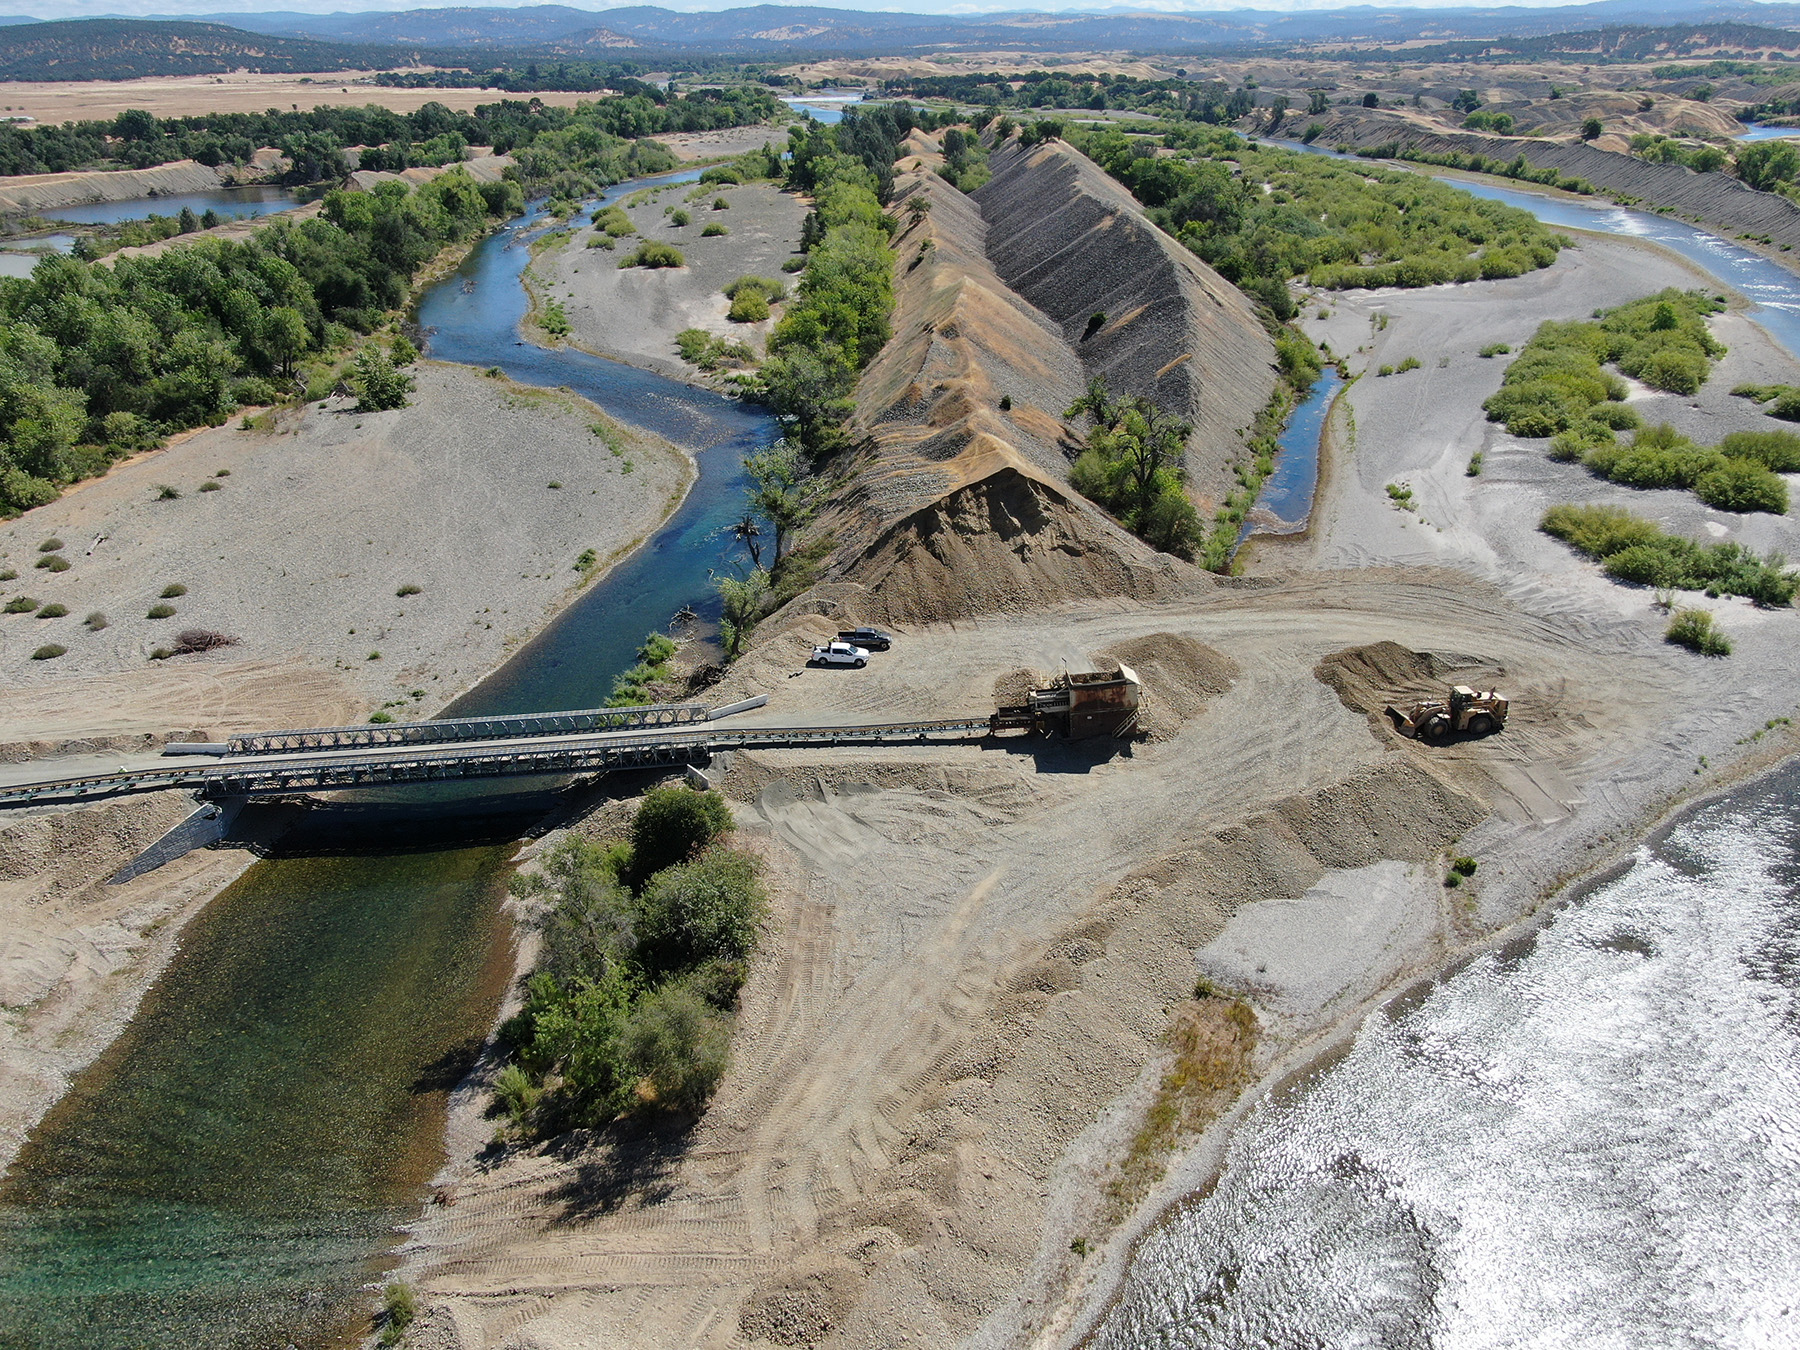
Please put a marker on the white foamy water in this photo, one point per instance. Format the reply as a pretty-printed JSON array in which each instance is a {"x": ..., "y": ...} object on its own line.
[{"x": 1591, "y": 1141}]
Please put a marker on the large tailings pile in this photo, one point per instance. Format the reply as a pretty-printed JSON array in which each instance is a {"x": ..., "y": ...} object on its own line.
[
  {"x": 1075, "y": 244},
  {"x": 958, "y": 505}
]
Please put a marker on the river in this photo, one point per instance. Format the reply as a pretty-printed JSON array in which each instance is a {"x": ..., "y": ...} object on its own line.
[
  {"x": 231, "y": 203},
  {"x": 228, "y": 1173},
  {"x": 1586, "y": 1139}
]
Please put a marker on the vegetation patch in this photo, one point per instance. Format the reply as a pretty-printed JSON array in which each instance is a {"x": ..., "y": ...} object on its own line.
[
  {"x": 1632, "y": 549},
  {"x": 1734, "y": 476},
  {"x": 49, "y": 652},
  {"x": 1693, "y": 629},
  {"x": 645, "y": 946},
  {"x": 633, "y": 688},
  {"x": 1337, "y": 224},
  {"x": 1134, "y": 466},
  {"x": 1559, "y": 379},
  {"x": 653, "y": 254},
  {"x": 711, "y": 352}
]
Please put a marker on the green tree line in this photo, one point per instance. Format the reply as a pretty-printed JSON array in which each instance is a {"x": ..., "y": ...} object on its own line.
[{"x": 97, "y": 361}]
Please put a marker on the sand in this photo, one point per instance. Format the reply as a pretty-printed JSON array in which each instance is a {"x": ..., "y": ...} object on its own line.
[
  {"x": 632, "y": 314},
  {"x": 955, "y": 1025},
  {"x": 190, "y": 95},
  {"x": 692, "y": 145}
]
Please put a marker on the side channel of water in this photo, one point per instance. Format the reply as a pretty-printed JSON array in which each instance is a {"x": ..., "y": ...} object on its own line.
[
  {"x": 1588, "y": 1138},
  {"x": 225, "y": 1175}
]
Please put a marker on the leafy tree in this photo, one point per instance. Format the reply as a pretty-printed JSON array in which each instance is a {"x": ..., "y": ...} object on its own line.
[
  {"x": 748, "y": 533},
  {"x": 284, "y": 337},
  {"x": 672, "y": 825},
  {"x": 1766, "y": 165},
  {"x": 743, "y": 600},
  {"x": 1591, "y": 128},
  {"x": 679, "y": 1044},
  {"x": 709, "y": 908},
  {"x": 782, "y": 491}
]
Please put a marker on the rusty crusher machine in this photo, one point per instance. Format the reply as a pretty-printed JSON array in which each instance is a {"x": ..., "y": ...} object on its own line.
[{"x": 1076, "y": 706}]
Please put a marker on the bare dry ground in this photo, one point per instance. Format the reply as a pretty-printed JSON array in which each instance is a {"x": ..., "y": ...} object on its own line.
[
  {"x": 692, "y": 145},
  {"x": 632, "y": 314},
  {"x": 189, "y": 95},
  {"x": 949, "y": 1042}
]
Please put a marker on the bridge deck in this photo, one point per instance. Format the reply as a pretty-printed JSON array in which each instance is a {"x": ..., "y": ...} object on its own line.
[{"x": 568, "y": 753}]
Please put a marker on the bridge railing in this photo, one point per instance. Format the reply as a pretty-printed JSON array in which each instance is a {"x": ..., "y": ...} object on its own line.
[{"x": 377, "y": 734}]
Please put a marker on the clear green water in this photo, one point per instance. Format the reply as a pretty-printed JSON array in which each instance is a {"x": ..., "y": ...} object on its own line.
[{"x": 221, "y": 1176}]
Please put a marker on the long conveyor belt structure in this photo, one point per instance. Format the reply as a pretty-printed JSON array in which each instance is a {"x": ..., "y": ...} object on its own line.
[{"x": 375, "y": 766}]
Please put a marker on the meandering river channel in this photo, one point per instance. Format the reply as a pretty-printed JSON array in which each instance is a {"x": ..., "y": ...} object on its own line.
[{"x": 227, "y": 1173}]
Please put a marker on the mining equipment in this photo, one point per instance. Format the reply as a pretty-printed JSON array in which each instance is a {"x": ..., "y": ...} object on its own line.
[
  {"x": 1077, "y": 706},
  {"x": 1466, "y": 711}
]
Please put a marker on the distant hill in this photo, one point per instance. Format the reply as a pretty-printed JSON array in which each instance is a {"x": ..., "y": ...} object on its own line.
[
  {"x": 1625, "y": 42},
  {"x": 123, "y": 49}
]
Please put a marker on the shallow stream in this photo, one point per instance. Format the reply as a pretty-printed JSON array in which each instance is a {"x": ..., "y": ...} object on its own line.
[{"x": 227, "y": 1173}]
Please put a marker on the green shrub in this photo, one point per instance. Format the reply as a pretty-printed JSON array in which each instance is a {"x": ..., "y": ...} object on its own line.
[
  {"x": 749, "y": 307},
  {"x": 379, "y": 384},
  {"x": 1615, "y": 416},
  {"x": 49, "y": 651},
  {"x": 713, "y": 231},
  {"x": 653, "y": 255},
  {"x": 1743, "y": 486},
  {"x": 604, "y": 241},
  {"x": 399, "y": 1307},
  {"x": 1635, "y": 550},
  {"x": 51, "y": 545},
  {"x": 720, "y": 204},
  {"x": 209, "y": 486},
  {"x": 160, "y": 612},
  {"x": 54, "y": 562},
  {"x": 165, "y": 493},
  {"x": 53, "y": 611},
  {"x": 676, "y": 1041},
  {"x": 173, "y": 590},
  {"x": 1777, "y": 450},
  {"x": 772, "y": 290},
  {"x": 19, "y": 604},
  {"x": 9, "y": 574},
  {"x": 1599, "y": 531},
  {"x": 95, "y": 621},
  {"x": 1496, "y": 349},
  {"x": 161, "y": 653},
  {"x": 795, "y": 264},
  {"x": 1693, "y": 629},
  {"x": 679, "y": 218},
  {"x": 380, "y": 717},
  {"x": 1464, "y": 866},
  {"x": 614, "y": 222},
  {"x": 710, "y": 908},
  {"x": 1410, "y": 363},
  {"x": 673, "y": 824}
]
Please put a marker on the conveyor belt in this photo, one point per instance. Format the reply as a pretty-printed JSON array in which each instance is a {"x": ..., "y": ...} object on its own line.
[
  {"x": 451, "y": 729},
  {"x": 578, "y": 753}
]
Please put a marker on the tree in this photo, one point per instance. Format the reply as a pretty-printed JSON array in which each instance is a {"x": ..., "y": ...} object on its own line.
[
  {"x": 742, "y": 608},
  {"x": 1318, "y": 102},
  {"x": 781, "y": 490},
  {"x": 1591, "y": 128},
  {"x": 679, "y": 1044},
  {"x": 1768, "y": 164},
  {"x": 1096, "y": 403},
  {"x": 379, "y": 386},
  {"x": 704, "y": 910},
  {"x": 284, "y": 337},
  {"x": 1371, "y": 100},
  {"x": 673, "y": 824},
  {"x": 748, "y": 533}
]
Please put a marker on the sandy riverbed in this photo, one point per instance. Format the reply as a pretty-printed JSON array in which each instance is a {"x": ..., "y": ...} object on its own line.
[
  {"x": 632, "y": 314},
  {"x": 298, "y": 555}
]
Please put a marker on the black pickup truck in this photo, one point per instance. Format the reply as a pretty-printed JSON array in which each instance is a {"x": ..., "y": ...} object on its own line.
[{"x": 872, "y": 638}]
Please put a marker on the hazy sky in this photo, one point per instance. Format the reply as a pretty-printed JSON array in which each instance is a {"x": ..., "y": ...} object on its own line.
[{"x": 72, "y": 9}]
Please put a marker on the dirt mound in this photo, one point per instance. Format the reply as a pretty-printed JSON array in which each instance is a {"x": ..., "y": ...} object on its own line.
[
  {"x": 1076, "y": 245},
  {"x": 803, "y": 1307},
  {"x": 1179, "y": 676},
  {"x": 40, "y": 192},
  {"x": 1366, "y": 679},
  {"x": 1005, "y": 542}
]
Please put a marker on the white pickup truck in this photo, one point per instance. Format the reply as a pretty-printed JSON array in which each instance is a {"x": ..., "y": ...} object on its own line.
[{"x": 839, "y": 654}]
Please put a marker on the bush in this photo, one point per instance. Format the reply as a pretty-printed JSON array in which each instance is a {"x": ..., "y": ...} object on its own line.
[
  {"x": 1693, "y": 629},
  {"x": 714, "y": 231},
  {"x": 1495, "y": 349},
  {"x": 679, "y": 218},
  {"x": 398, "y": 1309},
  {"x": 1598, "y": 531},
  {"x": 54, "y": 562},
  {"x": 50, "y": 545},
  {"x": 209, "y": 486},
  {"x": 772, "y": 290},
  {"x": 160, "y": 612},
  {"x": 677, "y": 1042},
  {"x": 710, "y": 908},
  {"x": 1635, "y": 550},
  {"x": 673, "y": 824},
  {"x": 749, "y": 307},
  {"x": 1743, "y": 486},
  {"x": 654, "y": 255},
  {"x": 1616, "y": 416},
  {"x": 49, "y": 651},
  {"x": 19, "y": 604},
  {"x": 165, "y": 493},
  {"x": 1777, "y": 450},
  {"x": 95, "y": 621},
  {"x": 191, "y": 640},
  {"x": 379, "y": 385},
  {"x": 53, "y": 611},
  {"x": 795, "y": 264},
  {"x": 173, "y": 590},
  {"x": 720, "y": 204},
  {"x": 408, "y": 589}
]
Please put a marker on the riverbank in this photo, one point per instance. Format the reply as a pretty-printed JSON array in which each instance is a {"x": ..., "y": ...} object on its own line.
[{"x": 484, "y": 494}]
